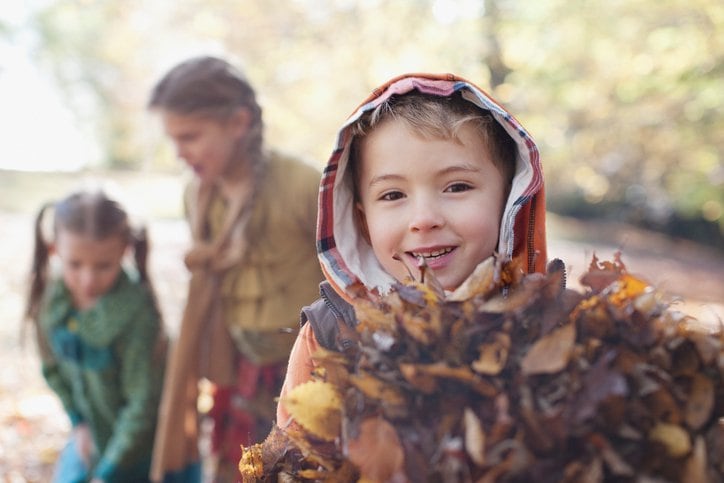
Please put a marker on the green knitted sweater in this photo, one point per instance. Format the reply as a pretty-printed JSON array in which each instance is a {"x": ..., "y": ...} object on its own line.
[{"x": 106, "y": 365}]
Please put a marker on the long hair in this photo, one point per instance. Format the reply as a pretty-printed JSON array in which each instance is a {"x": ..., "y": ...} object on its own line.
[{"x": 213, "y": 88}]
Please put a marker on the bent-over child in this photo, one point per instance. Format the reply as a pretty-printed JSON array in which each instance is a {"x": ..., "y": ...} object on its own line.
[
  {"x": 429, "y": 166},
  {"x": 100, "y": 337}
]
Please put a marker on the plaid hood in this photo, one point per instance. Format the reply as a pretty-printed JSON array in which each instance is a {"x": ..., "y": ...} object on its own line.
[{"x": 347, "y": 258}]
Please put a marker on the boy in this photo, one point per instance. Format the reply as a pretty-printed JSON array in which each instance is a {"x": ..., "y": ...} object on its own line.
[{"x": 428, "y": 166}]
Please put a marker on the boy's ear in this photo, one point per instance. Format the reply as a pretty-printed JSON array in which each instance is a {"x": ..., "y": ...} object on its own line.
[{"x": 361, "y": 221}]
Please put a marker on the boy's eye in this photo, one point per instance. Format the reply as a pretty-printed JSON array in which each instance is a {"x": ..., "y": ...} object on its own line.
[
  {"x": 391, "y": 196},
  {"x": 458, "y": 187}
]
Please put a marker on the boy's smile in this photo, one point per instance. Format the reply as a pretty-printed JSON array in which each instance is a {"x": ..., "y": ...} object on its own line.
[{"x": 441, "y": 199}]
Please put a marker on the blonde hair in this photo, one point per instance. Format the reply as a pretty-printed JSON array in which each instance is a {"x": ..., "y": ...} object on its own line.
[{"x": 437, "y": 117}]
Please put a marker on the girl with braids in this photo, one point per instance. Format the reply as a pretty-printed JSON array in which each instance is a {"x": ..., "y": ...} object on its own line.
[
  {"x": 100, "y": 336},
  {"x": 252, "y": 215}
]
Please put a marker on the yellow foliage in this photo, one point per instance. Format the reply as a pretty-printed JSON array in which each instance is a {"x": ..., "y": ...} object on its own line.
[{"x": 316, "y": 406}]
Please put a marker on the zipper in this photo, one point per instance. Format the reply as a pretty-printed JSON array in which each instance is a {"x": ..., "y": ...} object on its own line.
[
  {"x": 328, "y": 302},
  {"x": 531, "y": 239}
]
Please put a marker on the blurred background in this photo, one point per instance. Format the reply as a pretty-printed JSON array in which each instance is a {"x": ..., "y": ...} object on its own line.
[{"x": 624, "y": 99}]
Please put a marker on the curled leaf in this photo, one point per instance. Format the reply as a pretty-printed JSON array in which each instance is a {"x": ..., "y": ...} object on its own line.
[
  {"x": 474, "y": 437},
  {"x": 493, "y": 355},
  {"x": 550, "y": 353}
]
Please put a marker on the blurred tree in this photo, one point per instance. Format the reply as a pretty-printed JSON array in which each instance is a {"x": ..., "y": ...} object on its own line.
[
  {"x": 92, "y": 49},
  {"x": 623, "y": 97}
]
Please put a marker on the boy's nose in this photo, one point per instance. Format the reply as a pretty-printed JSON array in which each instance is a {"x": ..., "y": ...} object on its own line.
[{"x": 426, "y": 215}]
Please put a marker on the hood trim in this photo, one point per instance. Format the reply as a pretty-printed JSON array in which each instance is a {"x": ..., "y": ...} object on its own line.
[{"x": 346, "y": 258}]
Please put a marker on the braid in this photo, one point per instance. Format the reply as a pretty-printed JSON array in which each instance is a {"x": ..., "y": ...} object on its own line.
[{"x": 141, "y": 246}]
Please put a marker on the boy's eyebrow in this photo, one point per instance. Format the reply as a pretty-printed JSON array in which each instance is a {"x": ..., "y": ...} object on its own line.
[
  {"x": 464, "y": 167},
  {"x": 382, "y": 178}
]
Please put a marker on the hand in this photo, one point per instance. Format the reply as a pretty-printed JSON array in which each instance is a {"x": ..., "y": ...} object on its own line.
[
  {"x": 199, "y": 255},
  {"x": 84, "y": 443}
]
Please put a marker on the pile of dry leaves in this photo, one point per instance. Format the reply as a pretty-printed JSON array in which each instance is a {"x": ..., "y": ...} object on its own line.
[{"x": 510, "y": 378}]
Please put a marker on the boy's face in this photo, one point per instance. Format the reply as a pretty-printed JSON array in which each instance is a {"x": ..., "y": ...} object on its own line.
[{"x": 437, "y": 198}]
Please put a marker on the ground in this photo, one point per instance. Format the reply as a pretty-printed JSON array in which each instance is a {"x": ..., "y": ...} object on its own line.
[{"x": 33, "y": 427}]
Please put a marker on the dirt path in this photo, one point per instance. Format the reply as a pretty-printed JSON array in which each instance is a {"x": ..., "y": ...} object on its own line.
[{"x": 33, "y": 427}]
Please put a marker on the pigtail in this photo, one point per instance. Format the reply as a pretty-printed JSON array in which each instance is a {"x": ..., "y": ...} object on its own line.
[
  {"x": 39, "y": 270},
  {"x": 38, "y": 282},
  {"x": 139, "y": 239}
]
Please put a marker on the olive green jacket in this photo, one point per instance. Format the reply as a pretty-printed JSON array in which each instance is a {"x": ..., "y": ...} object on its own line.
[{"x": 279, "y": 272}]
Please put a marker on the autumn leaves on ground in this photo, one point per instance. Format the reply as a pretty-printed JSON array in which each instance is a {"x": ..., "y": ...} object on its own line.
[{"x": 33, "y": 427}]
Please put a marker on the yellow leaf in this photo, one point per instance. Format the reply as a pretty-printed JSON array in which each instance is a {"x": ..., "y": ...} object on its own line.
[
  {"x": 674, "y": 438},
  {"x": 250, "y": 464},
  {"x": 627, "y": 288},
  {"x": 372, "y": 318},
  {"x": 316, "y": 406}
]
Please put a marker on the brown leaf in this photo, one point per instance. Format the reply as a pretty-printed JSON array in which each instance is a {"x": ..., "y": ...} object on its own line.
[
  {"x": 695, "y": 468},
  {"x": 493, "y": 355},
  {"x": 479, "y": 284},
  {"x": 377, "y": 389},
  {"x": 424, "y": 382},
  {"x": 462, "y": 374},
  {"x": 377, "y": 451},
  {"x": 551, "y": 352},
  {"x": 700, "y": 401},
  {"x": 474, "y": 437}
]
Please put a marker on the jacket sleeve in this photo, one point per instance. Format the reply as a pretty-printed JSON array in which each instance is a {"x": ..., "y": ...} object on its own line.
[
  {"x": 141, "y": 379},
  {"x": 299, "y": 369},
  {"x": 61, "y": 387}
]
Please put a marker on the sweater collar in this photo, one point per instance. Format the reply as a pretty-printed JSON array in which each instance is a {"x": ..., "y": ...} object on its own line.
[{"x": 102, "y": 323}]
